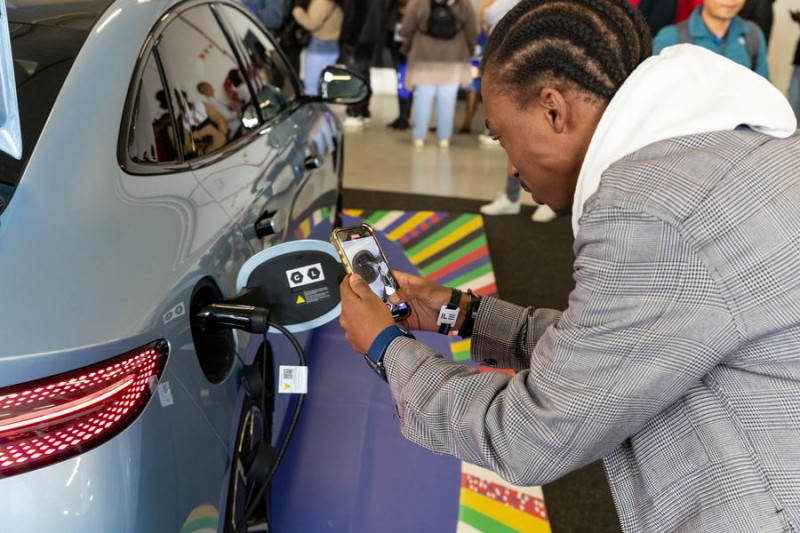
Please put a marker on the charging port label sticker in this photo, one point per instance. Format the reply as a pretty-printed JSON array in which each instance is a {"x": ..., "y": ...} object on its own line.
[
  {"x": 305, "y": 275},
  {"x": 293, "y": 379}
]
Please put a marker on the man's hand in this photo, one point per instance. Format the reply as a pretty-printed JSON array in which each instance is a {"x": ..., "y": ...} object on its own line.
[
  {"x": 425, "y": 299},
  {"x": 364, "y": 315}
]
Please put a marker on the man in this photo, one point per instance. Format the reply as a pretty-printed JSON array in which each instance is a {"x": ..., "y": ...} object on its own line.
[
  {"x": 678, "y": 358},
  {"x": 716, "y": 26}
]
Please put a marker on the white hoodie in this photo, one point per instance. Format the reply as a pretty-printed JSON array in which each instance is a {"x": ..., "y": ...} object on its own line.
[{"x": 684, "y": 90}]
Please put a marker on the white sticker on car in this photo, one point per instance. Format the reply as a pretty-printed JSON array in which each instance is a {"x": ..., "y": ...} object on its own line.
[
  {"x": 305, "y": 275},
  {"x": 165, "y": 394}
]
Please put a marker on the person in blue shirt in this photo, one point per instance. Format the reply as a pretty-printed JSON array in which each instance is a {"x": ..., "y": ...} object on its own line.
[
  {"x": 715, "y": 25},
  {"x": 270, "y": 12}
]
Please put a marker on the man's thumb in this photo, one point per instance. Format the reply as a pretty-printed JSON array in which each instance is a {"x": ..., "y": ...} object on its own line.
[{"x": 359, "y": 285}]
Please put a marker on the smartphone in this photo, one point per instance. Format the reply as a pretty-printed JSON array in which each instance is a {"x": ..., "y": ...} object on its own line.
[{"x": 361, "y": 254}]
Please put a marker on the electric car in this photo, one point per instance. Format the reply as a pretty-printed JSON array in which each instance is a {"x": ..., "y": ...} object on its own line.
[{"x": 160, "y": 145}]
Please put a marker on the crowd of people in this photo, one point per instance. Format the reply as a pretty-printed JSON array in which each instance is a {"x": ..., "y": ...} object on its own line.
[{"x": 436, "y": 47}]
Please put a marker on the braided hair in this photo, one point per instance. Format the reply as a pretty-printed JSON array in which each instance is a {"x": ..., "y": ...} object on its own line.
[{"x": 588, "y": 45}]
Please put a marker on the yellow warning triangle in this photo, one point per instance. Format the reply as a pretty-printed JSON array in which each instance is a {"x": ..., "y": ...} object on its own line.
[
  {"x": 300, "y": 299},
  {"x": 287, "y": 386}
]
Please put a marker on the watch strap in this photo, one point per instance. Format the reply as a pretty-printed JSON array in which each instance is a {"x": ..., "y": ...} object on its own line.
[
  {"x": 452, "y": 305},
  {"x": 472, "y": 312},
  {"x": 377, "y": 349}
]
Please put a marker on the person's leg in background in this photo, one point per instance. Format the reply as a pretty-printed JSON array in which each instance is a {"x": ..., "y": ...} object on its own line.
[
  {"x": 319, "y": 55},
  {"x": 472, "y": 106},
  {"x": 446, "y": 100},
  {"x": 507, "y": 203},
  {"x": 360, "y": 64},
  {"x": 423, "y": 105},
  {"x": 474, "y": 90}
]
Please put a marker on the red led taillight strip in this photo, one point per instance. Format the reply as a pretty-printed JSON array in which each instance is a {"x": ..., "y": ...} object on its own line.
[{"x": 49, "y": 420}]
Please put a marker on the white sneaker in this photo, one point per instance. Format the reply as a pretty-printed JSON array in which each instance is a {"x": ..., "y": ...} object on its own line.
[
  {"x": 444, "y": 143},
  {"x": 353, "y": 122},
  {"x": 485, "y": 138},
  {"x": 543, "y": 213},
  {"x": 501, "y": 206},
  {"x": 418, "y": 143}
]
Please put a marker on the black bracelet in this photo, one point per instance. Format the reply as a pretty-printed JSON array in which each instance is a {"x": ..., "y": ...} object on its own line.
[
  {"x": 455, "y": 299},
  {"x": 472, "y": 312}
]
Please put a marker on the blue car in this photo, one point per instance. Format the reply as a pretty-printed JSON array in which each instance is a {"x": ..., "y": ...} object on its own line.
[{"x": 154, "y": 148}]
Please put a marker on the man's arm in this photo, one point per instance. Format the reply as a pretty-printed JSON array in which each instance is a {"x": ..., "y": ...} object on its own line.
[
  {"x": 508, "y": 333},
  {"x": 644, "y": 324}
]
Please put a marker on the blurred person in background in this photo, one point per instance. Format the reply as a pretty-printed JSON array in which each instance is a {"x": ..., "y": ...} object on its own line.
[
  {"x": 794, "y": 84},
  {"x": 395, "y": 10},
  {"x": 508, "y": 202},
  {"x": 362, "y": 40},
  {"x": 269, "y": 12},
  {"x": 661, "y": 13},
  {"x": 439, "y": 37},
  {"x": 323, "y": 19},
  {"x": 760, "y": 12},
  {"x": 716, "y": 26}
]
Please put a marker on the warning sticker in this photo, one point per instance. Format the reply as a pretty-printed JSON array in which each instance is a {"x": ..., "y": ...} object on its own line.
[
  {"x": 315, "y": 295},
  {"x": 305, "y": 275},
  {"x": 300, "y": 299}
]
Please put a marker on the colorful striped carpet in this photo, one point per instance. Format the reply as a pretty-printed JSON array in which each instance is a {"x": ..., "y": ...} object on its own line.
[{"x": 452, "y": 250}]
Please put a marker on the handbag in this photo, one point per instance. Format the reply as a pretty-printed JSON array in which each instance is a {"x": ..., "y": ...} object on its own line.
[{"x": 293, "y": 35}]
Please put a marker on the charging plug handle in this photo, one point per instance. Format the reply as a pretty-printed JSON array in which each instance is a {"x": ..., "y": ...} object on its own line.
[{"x": 244, "y": 317}]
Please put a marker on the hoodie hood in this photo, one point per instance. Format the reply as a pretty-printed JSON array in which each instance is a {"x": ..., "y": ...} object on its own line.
[{"x": 685, "y": 90}]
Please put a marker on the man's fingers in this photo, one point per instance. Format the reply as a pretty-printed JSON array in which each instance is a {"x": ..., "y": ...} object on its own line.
[
  {"x": 359, "y": 286},
  {"x": 346, "y": 291}
]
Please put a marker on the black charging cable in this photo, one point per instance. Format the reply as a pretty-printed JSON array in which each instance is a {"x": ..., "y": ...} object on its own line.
[{"x": 258, "y": 495}]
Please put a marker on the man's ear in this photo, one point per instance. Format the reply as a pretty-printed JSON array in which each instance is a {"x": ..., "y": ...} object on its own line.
[{"x": 556, "y": 108}]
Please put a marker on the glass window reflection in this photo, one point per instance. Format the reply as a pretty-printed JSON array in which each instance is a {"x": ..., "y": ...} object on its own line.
[
  {"x": 271, "y": 77},
  {"x": 152, "y": 138},
  {"x": 207, "y": 89}
]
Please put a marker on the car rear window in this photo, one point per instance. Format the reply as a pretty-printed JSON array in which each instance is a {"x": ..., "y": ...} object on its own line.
[{"x": 43, "y": 56}]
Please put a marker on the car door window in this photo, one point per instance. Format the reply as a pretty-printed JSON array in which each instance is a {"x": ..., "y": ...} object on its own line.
[
  {"x": 152, "y": 137},
  {"x": 208, "y": 91},
  {"x": 272, "y": 79}
]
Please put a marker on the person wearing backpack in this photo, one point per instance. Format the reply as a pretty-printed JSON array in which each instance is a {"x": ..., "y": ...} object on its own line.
[
  {"x": 439, "y": 37},
  {"x": 715, "y": 25}
]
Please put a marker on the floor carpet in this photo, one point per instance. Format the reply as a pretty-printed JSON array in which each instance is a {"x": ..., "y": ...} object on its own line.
[{"x": 532, "y": 266}]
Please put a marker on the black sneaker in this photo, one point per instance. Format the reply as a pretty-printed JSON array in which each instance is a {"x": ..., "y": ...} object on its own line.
[{"x": 399, "y": 123}]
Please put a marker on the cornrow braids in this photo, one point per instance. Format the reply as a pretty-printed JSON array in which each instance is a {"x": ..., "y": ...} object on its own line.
[{"x": 589, "y": 45}]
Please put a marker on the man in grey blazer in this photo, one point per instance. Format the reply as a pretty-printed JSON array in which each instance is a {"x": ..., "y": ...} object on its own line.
[{"x": 678, "y": 358}]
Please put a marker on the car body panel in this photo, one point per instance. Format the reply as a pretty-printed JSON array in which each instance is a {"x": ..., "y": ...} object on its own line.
[{"x": 95, "y": 262}]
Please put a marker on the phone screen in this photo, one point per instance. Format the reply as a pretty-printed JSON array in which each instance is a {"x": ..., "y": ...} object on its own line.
[{"x": 364, "y": 255}]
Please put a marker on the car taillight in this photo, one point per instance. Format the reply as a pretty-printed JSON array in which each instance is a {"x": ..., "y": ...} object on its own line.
[{"x": 51, "y": 419}]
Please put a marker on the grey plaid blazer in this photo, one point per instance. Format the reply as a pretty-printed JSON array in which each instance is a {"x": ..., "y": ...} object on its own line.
[{"x": 677, "y": 360}]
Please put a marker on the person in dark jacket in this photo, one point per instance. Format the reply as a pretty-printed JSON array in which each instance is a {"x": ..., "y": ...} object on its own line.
[
  {"x": 361, "y": 43},
  {"x": 760, "y": 12}
]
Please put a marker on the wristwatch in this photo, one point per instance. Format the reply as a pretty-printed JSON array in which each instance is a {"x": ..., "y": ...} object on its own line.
[{"x": 377, "y": 350}]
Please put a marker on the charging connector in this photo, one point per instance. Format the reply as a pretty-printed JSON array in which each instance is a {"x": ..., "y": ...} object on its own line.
[{"x": 223, "y": 315}]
